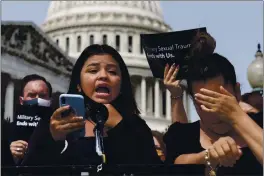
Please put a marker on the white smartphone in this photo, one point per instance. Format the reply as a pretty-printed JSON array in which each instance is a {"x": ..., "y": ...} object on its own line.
[{"x": 76, "y": 103}]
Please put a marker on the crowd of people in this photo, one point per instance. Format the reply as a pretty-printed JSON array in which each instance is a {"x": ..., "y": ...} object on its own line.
[{"x": 228, "y": 138}]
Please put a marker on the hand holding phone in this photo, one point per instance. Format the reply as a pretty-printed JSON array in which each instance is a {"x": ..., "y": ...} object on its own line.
[
  {"x": 76, "y": 103},
  {"x": 68, "y": 118}
]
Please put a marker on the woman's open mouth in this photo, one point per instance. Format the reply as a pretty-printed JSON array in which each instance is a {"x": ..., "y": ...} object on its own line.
[{"x": 102, "y": 91}]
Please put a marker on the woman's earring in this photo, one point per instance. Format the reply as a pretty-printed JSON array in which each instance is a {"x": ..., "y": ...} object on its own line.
[{"x": 78, "y": 88}]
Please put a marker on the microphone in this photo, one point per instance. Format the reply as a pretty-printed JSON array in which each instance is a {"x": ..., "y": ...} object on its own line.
[
  {"x": 97, "y": 112},
  {"x": 101, "y": 114}
]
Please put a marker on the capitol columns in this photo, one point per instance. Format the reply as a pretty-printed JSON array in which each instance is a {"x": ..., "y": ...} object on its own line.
[
  {"x": 85, "y": 40},
  {"x": 168, "y": 105},
  {"x": 124, "y": 42},
  {"x": 136, "y": 44},
  {"x": 143, "y": 96},
  {"x": 73, "y": 42},
  {"x": 111, "y": 39},
  {"x": 9, "y": 101},
  {"x": 157, "y": 99},
  {"x": 62, "y": 42},
  {"x": 150, "y": 97},
  {"x": 186, "y": 103},
  {"x": 98, "y": 38}
]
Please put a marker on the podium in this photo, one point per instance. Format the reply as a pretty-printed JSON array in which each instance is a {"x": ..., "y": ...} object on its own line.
[{"x": 107, "y": 170}]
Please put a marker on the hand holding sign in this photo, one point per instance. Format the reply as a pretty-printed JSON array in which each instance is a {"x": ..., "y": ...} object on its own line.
[
  {"x": 18, "y": 148},
  {"x": 170, "y": 81}
]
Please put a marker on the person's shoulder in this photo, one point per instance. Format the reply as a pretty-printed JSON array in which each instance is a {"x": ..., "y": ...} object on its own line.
[
  {"x": 135, "y": 118},
  {"x": 137, "y": 122},
  {"x": 257, "y": 117},
  {"x": 184, "y": 126},
  {"x": 177, "y": 129}
]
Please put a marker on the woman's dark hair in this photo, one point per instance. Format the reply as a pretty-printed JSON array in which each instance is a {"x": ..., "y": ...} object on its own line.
[
  {"x": 205, "y": 64},
  {"x": 35, "y": 77},
  {"x": 125, "y": 102}
]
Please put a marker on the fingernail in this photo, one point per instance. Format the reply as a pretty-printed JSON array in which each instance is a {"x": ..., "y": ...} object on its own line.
[
  {"x": 240, "y": 151},
  {"x": 178, "y": 66},
  {"x": 167, "y": 65},
  {"x": 173, "y": 64}
]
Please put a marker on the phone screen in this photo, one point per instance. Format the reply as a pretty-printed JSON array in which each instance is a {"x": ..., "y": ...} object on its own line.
[{"x": 76, "y": 103}]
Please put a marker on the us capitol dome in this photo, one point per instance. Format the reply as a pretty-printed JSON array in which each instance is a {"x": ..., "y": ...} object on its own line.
[{"x": 74, "y": 25}]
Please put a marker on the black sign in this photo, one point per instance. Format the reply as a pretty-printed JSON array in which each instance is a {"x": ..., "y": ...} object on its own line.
[
  {"x": 27, "y": 119},
  {"x": 170, "y": 47}
]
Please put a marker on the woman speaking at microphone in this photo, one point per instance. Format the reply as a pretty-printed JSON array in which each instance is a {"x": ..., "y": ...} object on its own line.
[{"x": 100, "y": 75}]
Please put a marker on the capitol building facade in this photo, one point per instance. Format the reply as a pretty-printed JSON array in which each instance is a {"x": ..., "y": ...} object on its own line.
[{"x": 71, "y": 26}]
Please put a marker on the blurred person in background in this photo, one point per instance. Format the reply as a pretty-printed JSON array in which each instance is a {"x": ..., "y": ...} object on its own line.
[
  {"x": 159, "y": 144},
  {"x": 36, "y": 92}
]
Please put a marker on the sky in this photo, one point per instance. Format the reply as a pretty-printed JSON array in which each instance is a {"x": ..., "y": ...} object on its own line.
[{"x": 236, "y": 26}]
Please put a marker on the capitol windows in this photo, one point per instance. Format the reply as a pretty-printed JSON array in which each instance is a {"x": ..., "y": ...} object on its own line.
[
  {"x": 104, "y": 39},
  {"x": 57, "y": 41},
  {"x": 67, "y": 45},
  {"x": 79, "y": 43},
  {"x": 117, "y": 43},
  {"x": 130, "y": 43},
  {"x": 91, "y": 39}
]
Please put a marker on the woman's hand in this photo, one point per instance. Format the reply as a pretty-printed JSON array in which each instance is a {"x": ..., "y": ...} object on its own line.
[
  {"x": 227, "y": 108},
  {"x": 170, "y": 81},
  {"x": 61, "y": 126},
  {"x": 114, "y": 116},
  {"x": 224, "y": 104},
  {"x": 224, "y": 152},
  {"x": 18, "y": 148},
  {"x": 178, "y": 113}
]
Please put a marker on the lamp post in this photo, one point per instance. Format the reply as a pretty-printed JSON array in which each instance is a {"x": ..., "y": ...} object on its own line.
[{"x": 255, "y": 72}]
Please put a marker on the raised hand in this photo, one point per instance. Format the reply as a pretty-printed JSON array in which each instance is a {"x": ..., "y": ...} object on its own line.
[
  {"x": 170, "y": 81},
  {"x": 61, "y": 126},
  {"x": 224, "y": 104},
  {"x": 178, "y": 113}
]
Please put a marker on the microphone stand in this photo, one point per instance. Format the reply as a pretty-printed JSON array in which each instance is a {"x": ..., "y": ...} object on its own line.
[
  {"x": 101, "y": 115},
  {"x": 99, "y": 138}
]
